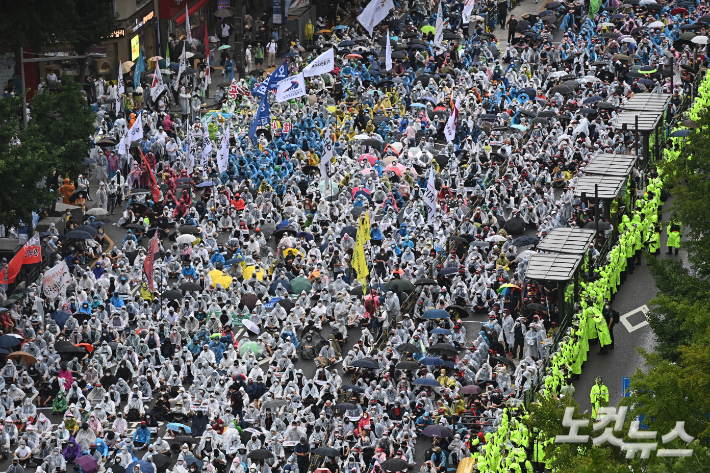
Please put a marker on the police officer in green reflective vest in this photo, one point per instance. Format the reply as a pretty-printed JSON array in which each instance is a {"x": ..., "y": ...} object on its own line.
[{"x": 599, "y": 396}]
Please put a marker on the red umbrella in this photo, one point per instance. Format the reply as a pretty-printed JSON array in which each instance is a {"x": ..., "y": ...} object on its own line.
[
  {"x": 87, "y": 346},
  {"x": 679, "y": 11},
  {"x": 353, "y": 56}
]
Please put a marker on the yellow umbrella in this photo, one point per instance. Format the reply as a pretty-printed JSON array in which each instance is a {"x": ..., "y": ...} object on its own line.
[
  {"x": 250, "y": 270},
  {"x": 224, "y": 281},
  {"x": 332, "y": 108},
  {"x": 215, "y": 274},
  {"x": 292, "y": 251},
  {"x": 126, "y": 66}
]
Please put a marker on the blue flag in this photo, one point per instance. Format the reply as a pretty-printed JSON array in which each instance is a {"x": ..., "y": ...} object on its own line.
[
  {"x": 140, "y": 67},
  {"x": 279, "y": 74},
  {"x": 261, "y": 119}
]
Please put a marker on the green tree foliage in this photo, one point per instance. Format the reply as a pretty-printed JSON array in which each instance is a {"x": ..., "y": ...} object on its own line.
[{"x": 56, "y": 140}]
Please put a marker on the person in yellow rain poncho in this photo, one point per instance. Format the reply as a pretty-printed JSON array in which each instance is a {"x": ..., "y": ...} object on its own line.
[
  {"x": 599, "y": 396},
  {"x": 673, "y": 237}
]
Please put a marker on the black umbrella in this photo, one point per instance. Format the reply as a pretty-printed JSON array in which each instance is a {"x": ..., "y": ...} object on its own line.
[
  {"x": 327, "y": 452},
  {"x": 287, "y": 304},
  {"x": 394, "y": 464},
  {"x": 172, "y": 294},
  {"x": 373, "y": 143},
  {"x": 408, "y": 365},
  {"x": 443, "y": 349},
  {"x": 80, "y": 193},
  {"x": 106, "y": 141},
  {"x": 603, "y": 226},
  {"x": 526, "y": 240},
  {"x": 350, "y": 230},
  {"x": 562, "y": 89},
  {"x": 535, "y": 306},
  {"x": 78, "y": 235},
  {"x": 448, "y": 271},
  {"x": 160, "y": 461},
  {"x": 345, "y": 406},
  {"x": 365, "y": 363},
  {"x": 189, "y": 287},
  {"x": 515, "y": 226},
  {"x": 71, "y": 350},
  {"x": 408, "y": 348},
  {"x": 260, "y": 454},
  {"x": 400, "y": 285},
  {"x": 87, "y": 229},
  {"x": 508, "y": 363}
]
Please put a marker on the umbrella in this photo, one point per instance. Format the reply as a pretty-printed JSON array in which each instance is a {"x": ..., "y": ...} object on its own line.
[
  {"x": 535, "y": 306},
  {"x": 372, "y": 142},
  {"x": 97, "y": 212},
  {"x": 352, "y": 387},
  {"x": 448, "y": 271},
  {"x": 205, "y": 184},
  {"x": 408, "y": 348},
  {"x": 299, "y": 285},
  {"x": 274, "y": 404},
  {"x": 126, "y": 66},
  {"x": 394, "y": 464},
  {"x": 407, "y": 365},
  {"x": 173, "y": 294},
  {"x": 249, "y": 300},
  {"x": 689, "y": 124},
  {"x": 443, "y": 348},
  {"x": 182, "y": 239},
  {"x": 427, "y": 382},
  {"x": 428, "y": 29},
  {"x": 78, "y": 235},
  {"x": 251, "y": 326},
  {"x": 680, "y": 133},
  {"x": 603, "y": 226},
  {"x": 160, "y": 461},
  {"x": 287, "y": 304},
  {"x": 260, "y": 454},
  {"x": 190, "y": 460},
  {"x": 365, "y": 363},
  {"x": 515, "y": 226},
  {"x": 223, "y": 47},
  {"x": 189, "y": 230},
  {"x": 435, "y": 314},
  {"x": 88, "y": 464},
  {"x": 400, "y": 285},
  {"x": 24, "y": 356},
  {"x": 176, "y": 427},
  {"x": 189, "y": 287},
  {"x": 180, "y": 439},
  {"x": 87, "y": 229},
  {"x": 505, "y": 361},
  {"x": 345, "y": 406},
  {"x": 462, "y": 312},
  {"x": 437, "y": 431},
  {"x": 440, "y": 331},
  {"x": 61, "y": 317},
  {"x": 145, "y": 466},
  {"x": 526, "y": 240},
  {"x": 350, "y": 230},
  {"x": 253, "y": 346},
  {"x": 426, "y": 282},
  {"x": 7, "y": 341},
  {"x": 224, "y": 12},
  {"x": 284, "y": 282},
  {"x": 470, "y": 389},
  {"x": 431, "y": 361},
  {"x": 327, "y": 452}
]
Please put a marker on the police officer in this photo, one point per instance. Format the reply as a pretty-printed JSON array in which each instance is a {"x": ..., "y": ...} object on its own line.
[{"x": 612, "y": 318}]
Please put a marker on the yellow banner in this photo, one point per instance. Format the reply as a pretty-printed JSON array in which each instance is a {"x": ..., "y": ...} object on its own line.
[
  {"x": 360, "y": 264},
  {"x": 363, "y": 229}
]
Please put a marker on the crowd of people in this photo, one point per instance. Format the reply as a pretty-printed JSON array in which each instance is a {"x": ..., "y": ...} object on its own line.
[{"x": 230, "y": 330}]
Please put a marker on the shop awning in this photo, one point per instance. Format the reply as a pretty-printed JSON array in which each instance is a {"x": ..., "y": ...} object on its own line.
[{"x": 181, "y": 19}]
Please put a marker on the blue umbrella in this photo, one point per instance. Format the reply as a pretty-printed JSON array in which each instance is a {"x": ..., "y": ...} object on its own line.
[
  {"x": 282, "y": 223},
  {"x": 306, "y": 235},
  {"x": 364, "y": 194},
  {"x": 236, "y": 260},
  {"x": 324, "y": 246},
  {"x": 7, "y": 341},
  {"x": 427, "y": 382},
  {"x": 431, "y": 361},
  {"x": 176, "y": 427},
  {"x": 344, "y": 44},
  {"x": 145, "y": 466},
  {"x": 190, "y": 460},
  {"x": 440, "y": 331},
  {"x": 681, "y": 133},
  {"x": 205, "y": 184},
  {"x": 61, "y": 317},
  {"x": 417, "y": 105},
  {"x": 340, "y": 27},
  {"x": 435, "y": 314},
  {"x": 350, "y": 230},
  {"x": 284, "y": 282},
  {"x": 97, "y": 224}
]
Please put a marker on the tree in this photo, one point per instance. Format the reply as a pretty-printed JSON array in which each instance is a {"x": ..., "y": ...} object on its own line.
[
  {"x": 46, "y": 23},
  {"x": 56, "y": 141}
]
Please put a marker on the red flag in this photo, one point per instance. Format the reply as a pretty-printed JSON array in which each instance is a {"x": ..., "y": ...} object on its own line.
[
  {"x": 149, "y": 260},
  {"x": 153, "y": 183},
  {"x": 31, "y": 253}
]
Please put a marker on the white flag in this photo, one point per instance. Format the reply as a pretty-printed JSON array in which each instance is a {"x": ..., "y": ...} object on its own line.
[
  {"x": 291, "y": 88},
  {"x": 123, "y": 145},
  {"x": 119, "y": 88},
  {"x": 206, "y": 148},
  {"x": 430, "y": 198},
  {"x": 181, "y": 67},
  {"x": 223, "y": 153},
  {"x": 188, "y": 30},
  {"x": 188, "y": 149},
  {"x": 450, "y": 129},
  {"x": 439, "y": 33},
  {"x": 136, "y": 131},
  {"x": 467, "y": 9},
  {"x": 325, "y": 162},
  {"x": 374, "y": 13},
  {"x": 158, "y": 86},
  {"x": 56, "y": 280},
  {"x": 321, "y": 65},
  {"x": 388, "y": 52}
]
